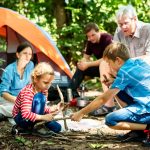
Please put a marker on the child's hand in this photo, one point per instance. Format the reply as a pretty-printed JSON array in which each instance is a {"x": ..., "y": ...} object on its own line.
[
  {"x": 108, "y": 81},
  {"x": 77, "y": 116},
  {"x": 57, "y": 108},
  {"x": 47, "y": 117}
]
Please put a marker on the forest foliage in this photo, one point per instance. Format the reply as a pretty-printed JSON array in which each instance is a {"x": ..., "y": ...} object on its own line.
[{"x": 65, "y": 20}]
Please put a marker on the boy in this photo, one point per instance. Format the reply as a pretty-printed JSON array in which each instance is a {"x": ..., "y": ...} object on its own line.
[{"x": 133, "y": 77}]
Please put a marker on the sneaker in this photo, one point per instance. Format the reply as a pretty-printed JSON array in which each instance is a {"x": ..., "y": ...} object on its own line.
[
  {"x": 2, "y": 117},
  {"x": 16, "y": 130},
  {"x": 132, "y": 136},
  {"x": 146, "y": 142},
  {"x": 103, "y": 110},
  {"x": 42, "y": 131}
]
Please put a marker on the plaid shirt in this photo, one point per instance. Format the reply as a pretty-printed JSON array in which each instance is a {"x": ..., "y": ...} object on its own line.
[
  {"x": 134, "y": 78},
  {"x": 139, "y": 44}
]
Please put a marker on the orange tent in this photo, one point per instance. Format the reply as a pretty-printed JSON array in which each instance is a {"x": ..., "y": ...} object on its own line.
[{"x": 16, "y": 29}]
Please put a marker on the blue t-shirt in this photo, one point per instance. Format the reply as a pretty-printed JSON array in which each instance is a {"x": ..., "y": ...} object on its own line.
[
  {"x": 11, "y": 81},
  {"x": 134, "y": 78}
]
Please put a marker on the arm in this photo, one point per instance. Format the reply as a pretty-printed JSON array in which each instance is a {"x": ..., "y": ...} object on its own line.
[
  {"x": 85, "y": 58},
  {"x": 6, "y": 84},
  {"x": 86, "y": 63},
  {"x": 95, "y": 104},
  {"x": 9, "y": 97}
]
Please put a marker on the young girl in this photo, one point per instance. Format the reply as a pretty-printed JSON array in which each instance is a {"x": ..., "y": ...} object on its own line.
[{"x": 30, "y": 105}]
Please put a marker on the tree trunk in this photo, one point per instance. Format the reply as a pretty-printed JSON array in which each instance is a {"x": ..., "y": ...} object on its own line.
[{"x": 59, "y": 12}]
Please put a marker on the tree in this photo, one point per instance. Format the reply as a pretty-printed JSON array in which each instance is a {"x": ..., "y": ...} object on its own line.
[{"x": 66, "y": 19}]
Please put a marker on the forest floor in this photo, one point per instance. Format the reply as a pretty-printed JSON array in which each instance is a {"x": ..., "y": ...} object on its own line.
[{"x": 89, "y": 134}]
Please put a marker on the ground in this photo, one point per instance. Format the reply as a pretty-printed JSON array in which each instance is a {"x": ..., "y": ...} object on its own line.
[
  {"x": 87, "y": 138},
  {"x": 104, "y": 138}
]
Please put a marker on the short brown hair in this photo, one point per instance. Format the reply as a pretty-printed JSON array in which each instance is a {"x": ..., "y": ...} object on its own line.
[
  {"x": 116, "y": 49},
  {"x": 91, "y": 26}
]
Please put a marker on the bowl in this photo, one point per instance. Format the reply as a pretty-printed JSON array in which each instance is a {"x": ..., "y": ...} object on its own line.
[{"x": 82, "y": 102}]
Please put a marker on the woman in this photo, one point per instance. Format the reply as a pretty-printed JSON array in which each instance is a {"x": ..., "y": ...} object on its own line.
[{"x": 14, "y": 78}]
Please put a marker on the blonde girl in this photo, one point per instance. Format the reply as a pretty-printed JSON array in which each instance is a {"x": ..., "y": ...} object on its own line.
[{"x": 30, "y": 106}]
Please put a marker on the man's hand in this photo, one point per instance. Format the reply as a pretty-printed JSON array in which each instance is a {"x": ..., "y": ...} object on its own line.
[
  {"x": 82, "y": 65},
  {"x": 77, "y": 116}
]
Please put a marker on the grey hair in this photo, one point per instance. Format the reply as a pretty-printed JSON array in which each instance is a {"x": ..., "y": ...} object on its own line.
[{"x": 127, "y": 11}]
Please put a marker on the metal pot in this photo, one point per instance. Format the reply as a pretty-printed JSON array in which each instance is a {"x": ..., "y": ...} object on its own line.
[{"x": 82, "y": 102}]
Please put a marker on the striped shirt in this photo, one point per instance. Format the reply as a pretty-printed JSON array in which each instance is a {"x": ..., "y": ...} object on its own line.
[
  {"x": 23, "y": 104},
  {"x": 134, "y": 78}
]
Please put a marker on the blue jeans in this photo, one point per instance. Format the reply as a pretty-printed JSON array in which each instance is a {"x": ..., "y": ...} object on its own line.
[
  {"x": 38, "y": 106},
  {"x": 124, "y": 115}
]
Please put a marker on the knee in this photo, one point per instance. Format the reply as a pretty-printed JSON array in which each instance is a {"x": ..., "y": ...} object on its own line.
[
  {"x": 110, "y": 120},
  {"x": 57, "y": 128},
  {"x": 54, "y": 126}
]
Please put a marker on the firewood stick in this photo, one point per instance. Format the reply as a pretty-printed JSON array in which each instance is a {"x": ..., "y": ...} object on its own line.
[
  {"x": 56, "y": 119},
  {"x": 60, "y": 94},
  {"x": 62, "y": 101},
  {"x": 64, "y": 118}
]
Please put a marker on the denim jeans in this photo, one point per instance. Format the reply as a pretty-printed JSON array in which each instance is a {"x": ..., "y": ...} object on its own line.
[
  {"x": 125, "y": 115},
  {"x": 38, "y": 106}
]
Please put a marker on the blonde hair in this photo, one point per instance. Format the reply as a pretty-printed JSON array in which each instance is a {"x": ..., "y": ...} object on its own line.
[{"x": 41, "y": 69}]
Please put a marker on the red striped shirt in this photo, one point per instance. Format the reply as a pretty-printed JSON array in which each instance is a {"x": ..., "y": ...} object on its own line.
[{"x": 23, "y": 103}]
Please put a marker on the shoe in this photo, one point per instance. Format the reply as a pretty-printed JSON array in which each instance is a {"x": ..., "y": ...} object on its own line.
[
  {"x": 103, "y": 110},
  {"x": 132, "y": 136},
  {"x": 146, "y": 141},
  {"x": 16, "y": 130},
  {"x": 43, "y": 132},
  {"x": 2, "y": 117}
]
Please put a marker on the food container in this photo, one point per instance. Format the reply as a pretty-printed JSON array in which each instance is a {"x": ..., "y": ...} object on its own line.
[{"x": 82, "y": 102}]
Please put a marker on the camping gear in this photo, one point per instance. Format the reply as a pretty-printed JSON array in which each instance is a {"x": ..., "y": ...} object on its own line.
[
  {"x": 69, "y": 95},
  {"x": 82, "y": 101},
  {"x": 16, "y": 29}
]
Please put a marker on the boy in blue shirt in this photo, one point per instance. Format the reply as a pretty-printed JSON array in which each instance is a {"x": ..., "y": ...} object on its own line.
[{"x": 132, "y": 77}]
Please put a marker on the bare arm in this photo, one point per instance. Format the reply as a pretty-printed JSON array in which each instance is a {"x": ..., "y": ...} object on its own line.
[
  {"x": 86, "y": 62},
  {"x": 95, "y": 104},
  {"x": 9, "y": 97}
]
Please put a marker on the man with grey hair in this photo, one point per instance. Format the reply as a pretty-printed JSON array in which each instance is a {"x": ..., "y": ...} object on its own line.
[{"x": 136, "y": 35}]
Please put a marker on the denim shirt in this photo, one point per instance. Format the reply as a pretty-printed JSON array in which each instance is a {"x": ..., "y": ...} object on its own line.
[
  {"x": 11, "y": 81},
  {"x": 134, "y": 78}
]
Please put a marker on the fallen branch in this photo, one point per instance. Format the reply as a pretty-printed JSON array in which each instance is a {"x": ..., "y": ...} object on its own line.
[{"x": 62, "y": 101}]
